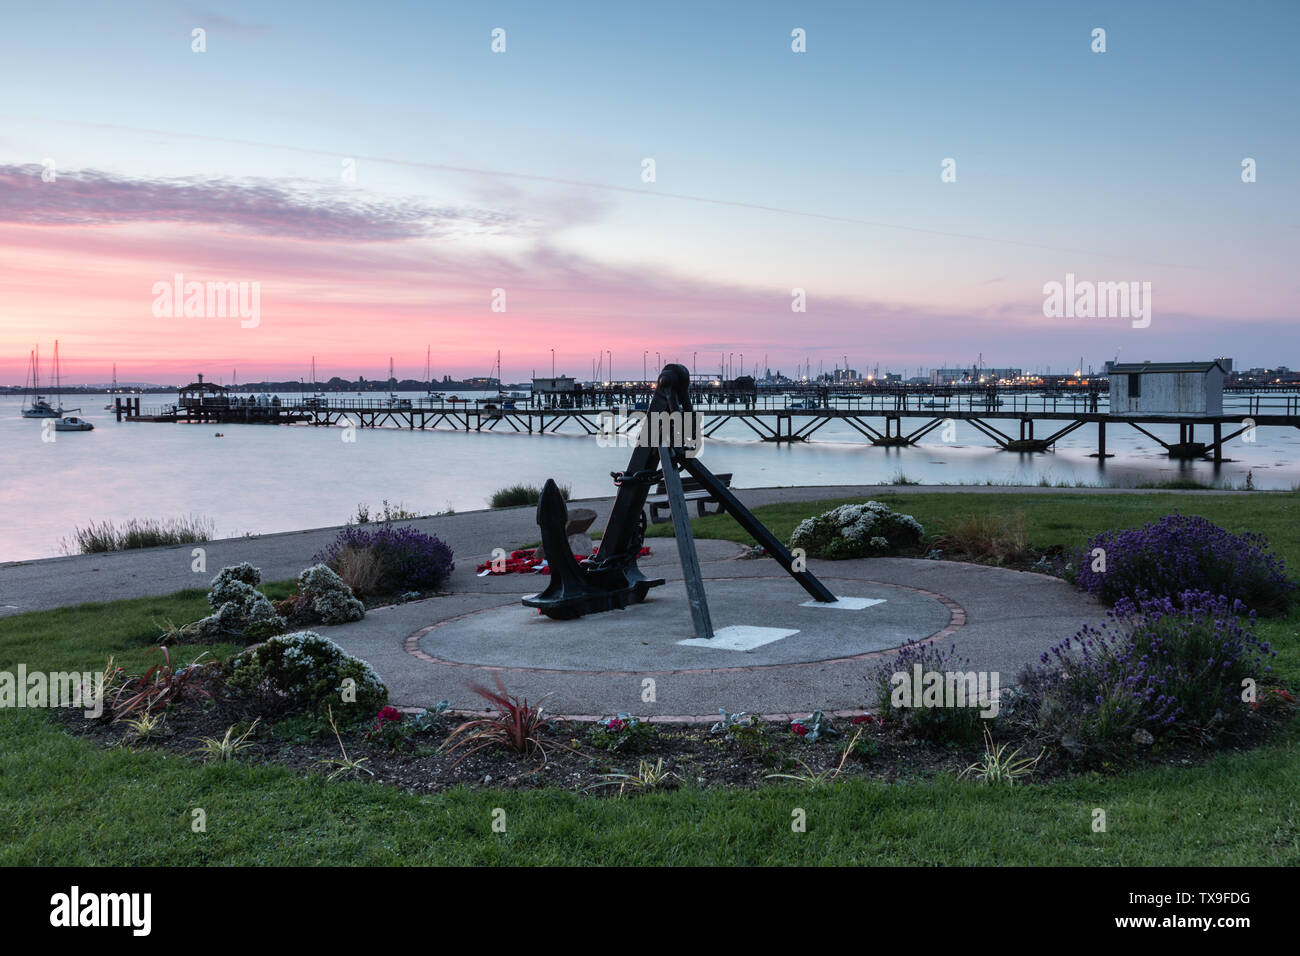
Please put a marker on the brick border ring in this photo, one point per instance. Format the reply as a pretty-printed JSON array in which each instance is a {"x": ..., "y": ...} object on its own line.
[{"x": 956, "y": 620}]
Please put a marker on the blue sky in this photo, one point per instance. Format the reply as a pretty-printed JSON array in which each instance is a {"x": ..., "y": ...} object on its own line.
[{"x": 1123, "y": 165}]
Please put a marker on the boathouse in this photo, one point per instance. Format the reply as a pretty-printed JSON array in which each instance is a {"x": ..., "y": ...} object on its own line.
[
  {"x": 561, "y": 384},
  {"x": 1167, "y": 388}
]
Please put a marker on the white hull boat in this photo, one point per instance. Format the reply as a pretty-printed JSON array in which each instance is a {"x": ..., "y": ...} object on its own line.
[{"x": 73, "y": 424}]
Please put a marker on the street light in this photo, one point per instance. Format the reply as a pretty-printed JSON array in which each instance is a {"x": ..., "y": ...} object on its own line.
[
  {"x": 552, "y": 363},
  {"x": 644, "y": 353}
]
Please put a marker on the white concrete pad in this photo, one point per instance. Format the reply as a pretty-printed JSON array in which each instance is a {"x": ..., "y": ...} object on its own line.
[
  {"x": 740, "y": 637},
  {"x": 845, "y": 603}
]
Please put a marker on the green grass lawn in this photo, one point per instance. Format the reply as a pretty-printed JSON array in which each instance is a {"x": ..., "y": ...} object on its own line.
[{"x": 65, "y": 801}]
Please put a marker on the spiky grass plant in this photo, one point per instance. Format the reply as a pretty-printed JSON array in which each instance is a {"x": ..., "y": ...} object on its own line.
[
  {"x": 647, "y": 777},
  {"x": 140, "y": 729},
  {"x": 1000, "y": 768},
  {"x": 343, "y": 765},
  {"x": 815, "y": 778},
  {"x": 229, "y": 747}
]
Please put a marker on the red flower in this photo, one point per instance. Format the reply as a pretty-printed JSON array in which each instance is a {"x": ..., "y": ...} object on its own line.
[
  {"x": 864, "y": 719},
  {"x": 387, "y": 716},
  {"x": 799, "y": 729},
  {"x": 614, "y": 724}
]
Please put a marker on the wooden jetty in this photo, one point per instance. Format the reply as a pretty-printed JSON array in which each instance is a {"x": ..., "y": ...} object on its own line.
[{"x": 1007, "y": 415}]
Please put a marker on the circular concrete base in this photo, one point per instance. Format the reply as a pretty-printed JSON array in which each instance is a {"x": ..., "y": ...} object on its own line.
[{"x": 758, "y": 622}]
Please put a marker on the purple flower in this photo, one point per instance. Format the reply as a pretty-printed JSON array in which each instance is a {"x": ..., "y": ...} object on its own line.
[
  {"x": 410, "y": 560},
  {"x": 1180, "y": 553}
]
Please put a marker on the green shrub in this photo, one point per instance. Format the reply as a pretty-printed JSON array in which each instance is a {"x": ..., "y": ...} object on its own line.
[
  {"x": 304, "y": 672},
  {"x": 514, "y": 496}
]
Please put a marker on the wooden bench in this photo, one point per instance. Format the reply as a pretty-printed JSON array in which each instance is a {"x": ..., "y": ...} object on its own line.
[{"x": 692, "y": 491}]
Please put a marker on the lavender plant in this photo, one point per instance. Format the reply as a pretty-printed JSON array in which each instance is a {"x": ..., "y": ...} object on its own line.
[
  {"x": 408, "y": 559},
  {"x": 942, "y": 724},
  {"x": 1171, "y": 666},
  {"x": 1181, "y": 553}
]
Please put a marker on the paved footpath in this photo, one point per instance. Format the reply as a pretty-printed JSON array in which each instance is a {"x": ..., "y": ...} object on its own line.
[
  {"x": 56, "y": 582},
  {"x": 791, "y": 658}
]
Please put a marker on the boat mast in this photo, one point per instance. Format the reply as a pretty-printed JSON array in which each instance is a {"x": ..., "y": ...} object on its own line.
[{"x": 29, "y": 386}]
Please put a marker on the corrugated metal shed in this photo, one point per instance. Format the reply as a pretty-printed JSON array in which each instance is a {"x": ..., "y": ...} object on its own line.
[{"x": 1167, "y": 388}]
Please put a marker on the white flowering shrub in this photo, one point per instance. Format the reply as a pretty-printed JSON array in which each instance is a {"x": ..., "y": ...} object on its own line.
[
  {"x": 857, "y": 531},
  {"x": 226, "y": 586},
  {"x": 329, "y": 599},
  {"x": 241, "y": 613},
  {"x": 304, "y": 672}
]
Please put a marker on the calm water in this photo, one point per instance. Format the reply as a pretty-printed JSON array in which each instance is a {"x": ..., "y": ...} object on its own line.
[{"x": 261, "y": 478}]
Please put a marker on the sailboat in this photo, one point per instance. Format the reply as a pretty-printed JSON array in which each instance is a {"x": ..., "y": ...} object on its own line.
[
  {"x": 393, "y": 400},
  {"x": 39, "y": 407},
  {"x": 113, "y": 389},
  {"x": 317, "y": 400}
]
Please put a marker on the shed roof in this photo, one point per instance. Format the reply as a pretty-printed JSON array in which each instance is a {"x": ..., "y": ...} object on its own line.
[{"x": 1131, "y": 368}]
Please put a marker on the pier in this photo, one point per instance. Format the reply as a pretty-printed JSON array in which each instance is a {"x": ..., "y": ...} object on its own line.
[{"x": 1007, "y": 415}]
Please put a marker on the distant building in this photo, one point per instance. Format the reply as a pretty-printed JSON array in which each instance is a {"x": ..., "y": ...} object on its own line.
[
  {"x": 953, "y": 376},
  {"x": 1166, "y": 388}
]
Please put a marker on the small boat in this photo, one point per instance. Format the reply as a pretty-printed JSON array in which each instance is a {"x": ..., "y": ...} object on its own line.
[{"x": 72, "y": 423}]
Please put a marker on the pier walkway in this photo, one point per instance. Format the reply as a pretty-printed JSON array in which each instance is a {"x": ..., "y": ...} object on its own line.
[{"x": 886, "y": 416}]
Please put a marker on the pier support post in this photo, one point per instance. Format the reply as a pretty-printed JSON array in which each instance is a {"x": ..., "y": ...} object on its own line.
[{"x": 1218, "y": 443}]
